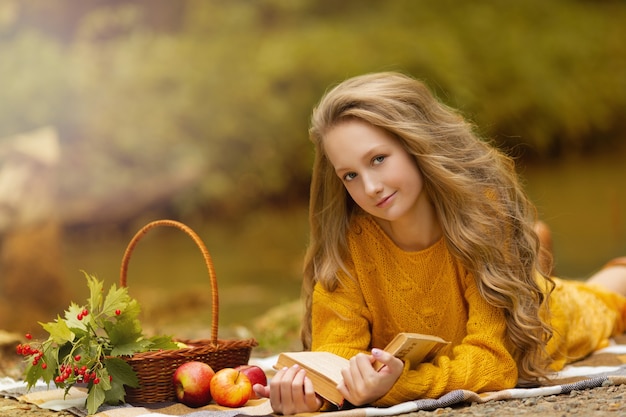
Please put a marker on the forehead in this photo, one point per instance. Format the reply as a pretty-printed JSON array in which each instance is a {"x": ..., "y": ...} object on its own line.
[{"x": 354, "y": 138}]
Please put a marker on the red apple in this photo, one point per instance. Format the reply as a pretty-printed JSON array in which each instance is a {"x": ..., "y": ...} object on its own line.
[
  {"x": 192, "y": 382},
  {"x": 254, "y": 374},
  {"x": 231, "y": 388}
]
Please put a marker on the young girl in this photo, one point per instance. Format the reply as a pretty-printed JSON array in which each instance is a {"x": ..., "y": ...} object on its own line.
[{"x": 417, "y": 225}]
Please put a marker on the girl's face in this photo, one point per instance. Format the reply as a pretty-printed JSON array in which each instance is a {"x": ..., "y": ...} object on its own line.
[{"x": 378, "y": 173}]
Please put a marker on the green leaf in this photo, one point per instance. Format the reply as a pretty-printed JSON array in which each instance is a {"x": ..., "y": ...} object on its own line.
[
  {"x": 103, "y": 375},
  {"x": 130, "y": 348},
  {"x": 162, "y": 342},
  {"x": 123, "y": 331},
  {"x": 33, "y": 373},
  {"x": 130, "y": 310},
  {"x": 59, "y": 332},
  {"x": 50, "y": 359},
  {"x": 71, "y": 317},
  {"x": 115, "y": 394},
  {"x": 96, "y": 289},
  {"x": 95, "y": 398},
  {"x": 121, "y": 372},
  {"x": 79, "y": 333},
  {"x": 116, "y": 299}
]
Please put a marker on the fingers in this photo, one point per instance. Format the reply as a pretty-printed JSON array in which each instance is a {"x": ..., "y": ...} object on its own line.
[
  {"x": 261, "y": 391},
  {"x": 291, "y": 392},
  {"x": 312, "y": 401},
  {"x": 357, "y": 378},
  {"x": 362, "y": 384},
  {"x": 393, "y": 364},
  {"x": 280, "y": 390}
]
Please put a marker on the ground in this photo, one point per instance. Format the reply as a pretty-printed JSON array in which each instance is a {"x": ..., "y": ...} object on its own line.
[
  {"x": 608, "y": 401},
  {"x": 598, "y": 402}
]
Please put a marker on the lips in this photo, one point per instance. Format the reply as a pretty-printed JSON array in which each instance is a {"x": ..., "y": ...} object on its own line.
[{"x": 385, "y": 200}]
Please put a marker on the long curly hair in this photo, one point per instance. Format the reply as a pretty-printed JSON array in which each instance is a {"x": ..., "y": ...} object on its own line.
[{"x": 487, "y": 219}]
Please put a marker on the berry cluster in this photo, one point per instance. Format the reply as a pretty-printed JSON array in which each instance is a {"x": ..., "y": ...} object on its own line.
[
  {"x": 27, "y": 350},
  {"x": 81, "y": 374},
  {"x": 67, "y": 373},
  {"x": 82, "y": 314}
]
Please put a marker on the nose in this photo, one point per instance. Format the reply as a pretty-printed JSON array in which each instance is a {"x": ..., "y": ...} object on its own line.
[{"x": 372, "y": 185}]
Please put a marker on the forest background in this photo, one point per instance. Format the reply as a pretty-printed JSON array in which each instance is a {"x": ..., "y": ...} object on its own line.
[{"x": 198, "y": 110}]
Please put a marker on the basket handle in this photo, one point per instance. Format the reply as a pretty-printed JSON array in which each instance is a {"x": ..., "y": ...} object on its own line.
[{"x": 205, "y": 253}]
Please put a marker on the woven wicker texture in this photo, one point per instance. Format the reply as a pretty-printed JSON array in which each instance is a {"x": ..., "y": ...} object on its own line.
[{"x": 156, "y": 369}]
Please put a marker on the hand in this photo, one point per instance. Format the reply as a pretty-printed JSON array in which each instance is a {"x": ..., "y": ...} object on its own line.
[
  {"x": 362, "y": 384},
  {"x": 290, "y": 392}
]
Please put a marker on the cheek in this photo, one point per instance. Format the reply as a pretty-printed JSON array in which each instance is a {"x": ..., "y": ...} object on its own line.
[
  {"x": 353, "y": 192},
  {"x": 357, "y": 194},
  {"x": 411, "y": 178}
]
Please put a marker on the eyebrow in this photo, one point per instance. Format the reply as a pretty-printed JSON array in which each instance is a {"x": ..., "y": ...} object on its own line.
[
  {"x": 339, "y": 171},
  {"x": 376, "y": 150}
]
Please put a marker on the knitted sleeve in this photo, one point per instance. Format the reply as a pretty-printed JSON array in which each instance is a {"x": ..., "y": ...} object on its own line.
[
  {"x": 480, "y": 363},
  {"x": 340, "y": 320}
]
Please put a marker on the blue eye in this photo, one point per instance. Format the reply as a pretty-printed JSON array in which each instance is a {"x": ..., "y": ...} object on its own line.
[
  {"x": 349, "y": 176},
  {"x": 378, "y": 159}
]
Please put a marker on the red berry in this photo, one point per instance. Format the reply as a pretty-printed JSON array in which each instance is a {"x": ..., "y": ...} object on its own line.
[
  {"x": 43, "y": 365},
  {"x": 118, "y": 312},
  {"x": 79, "y": 316},
  {"x": 110, "y": 378},
  {"x": 85, "y": 312},
  {"x": 96, "y": 380},
  {"x": 77, "y": 358},
  {"x": 29, "y": 336}
]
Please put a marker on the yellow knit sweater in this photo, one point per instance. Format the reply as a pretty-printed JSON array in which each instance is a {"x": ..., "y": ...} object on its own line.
[{"x": 430, "y": 292}]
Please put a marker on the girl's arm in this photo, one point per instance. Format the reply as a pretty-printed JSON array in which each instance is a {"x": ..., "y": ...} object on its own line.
[{"x": 480, "y": 362}]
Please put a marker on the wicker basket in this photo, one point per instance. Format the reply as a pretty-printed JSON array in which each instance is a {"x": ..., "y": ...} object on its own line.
[{"x": 155, "y": 369}]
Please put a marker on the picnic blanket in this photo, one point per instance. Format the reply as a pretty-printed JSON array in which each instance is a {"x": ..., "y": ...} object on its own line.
[{"x": 602, "y": 368}]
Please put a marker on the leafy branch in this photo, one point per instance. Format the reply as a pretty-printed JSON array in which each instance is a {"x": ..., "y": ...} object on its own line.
[{"x": 84, "y": 346}]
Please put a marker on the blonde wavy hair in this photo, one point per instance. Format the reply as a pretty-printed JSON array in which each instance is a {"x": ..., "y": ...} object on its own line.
[{"x": 486, "y": 217}]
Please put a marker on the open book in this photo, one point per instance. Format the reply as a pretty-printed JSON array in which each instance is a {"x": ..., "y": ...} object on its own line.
[{"x": 324, "y": 368}]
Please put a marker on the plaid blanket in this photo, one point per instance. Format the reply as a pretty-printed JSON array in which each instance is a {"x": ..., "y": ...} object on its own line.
[{"x": 602, "y": 368}]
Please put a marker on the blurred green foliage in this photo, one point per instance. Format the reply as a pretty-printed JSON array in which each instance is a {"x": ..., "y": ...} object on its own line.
[{"x": 221, "y": 91}]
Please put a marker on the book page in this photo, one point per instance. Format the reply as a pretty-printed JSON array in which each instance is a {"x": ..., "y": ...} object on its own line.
[{"x": 326, "y": 364}]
